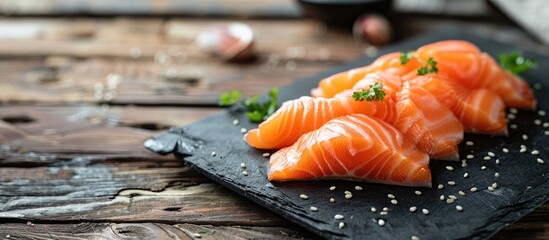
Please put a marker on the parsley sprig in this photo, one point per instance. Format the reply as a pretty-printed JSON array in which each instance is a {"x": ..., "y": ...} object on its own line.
[
  {"x": 515, "y": 63},
  {"x": 374, "y": 93},
  {"x": 430, "y": 67},
  {"x": 256, "y": 111},
  {"x": 405, "y": 57}
]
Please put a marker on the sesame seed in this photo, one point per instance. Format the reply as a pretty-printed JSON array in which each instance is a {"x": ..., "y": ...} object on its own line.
[
  {"x": 347, "y": 192},
  {"x": 383, "y": 213},
  {"x": 451, "y": 183},
  {"x": 303, "y": 196},
  {"x": 541, "y": 113},
  {"x": 491, "y": 154},
  {"x": 414, "y": 238},
  {"x": 394, "y": 201},
  {"x": 483, "y": 168},
  {"x": 540, "y": 160},
  {"x": 332, "y": 188},
  {"x": 391, "y": 196},
  {"x": 464, "y": 164},
  {"x": 236, "y": 121},
  {"x": 332, "y": 200},
  {"x": 494, "y": 185},
  {"x": 417, "y": 192},
  {"x": 358, "y": 188},
  {"x": 496, "y": 174},
  {"x": 459, "y": 208},
  {"x": 450, "y": 200},
  {"x": 511, "y": 116},
  {"x": 474, "y": 189},
  {"x": 535, "y": 152},
  {"x": 487, "y": 158},
  {"x": 213, "y": 154},
  {"x": 442, "y": 198},
  {"x": 470, "y": 156},
  {"x": 505, "y": 150},
  {"x": 513, "y": 126},
  {"x": 266, "y": 155},
  {"x": 450, "y": 168},
  {"x": 546, "y": 124},
  {"x": 385, "y": 209},
  {"x": 537, "y": 122},
  {"x": 452, "y": 197},
  {"x": 373, "y": 209},
  {"x": 462, "y": 193},
  {"x": 497, "y": 161},
  {"x": 413, "y": 209},
  {"x": 524, "y": 137},
  {"x": 244, "y": 173},
  {"x": 546, "y": 133},
  {"x": 469, "y": 143},
  {"x": 513, "y": 110},
  {"x": 314, "y": 209},
  {"x": 197, "y": 235},
  {"x": 440, "y": 186},
  {"x": 243, "y": 130},
  {"x": 490, "y": 188},
  {"x": 341, "y": 225},
  {"x": 425, "y": 211},
  {"x": 381, "y": 222},
  {"x": 338, "y": 217},
  {"x": 348, "y": 196},
  {"x": 243, "y": 165},
  {"x": 465, "y": 175}
]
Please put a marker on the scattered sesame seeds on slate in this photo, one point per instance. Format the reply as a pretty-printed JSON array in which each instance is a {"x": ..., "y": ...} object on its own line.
[
  {"x": 414, "y": 238},
  {"x": 236, "y": 121},
  {"x": 440, "y": 186},
  {"x": 537, "y": 122},
  {"x": 449, "y": 168},
  {"x": 383, "y": 213},
  {"x": 394, "y": 201},
  {"x": 474, "y": 189},
  {"x": 541, "y": 113},
  {"x": 487, "y": 158},
  {"x": 314, "y": 209},
  {"x": 381, "y": 222},
  {"x": 243, "y": 130},
  {"x": 524, "y": 137},
  {"x": 470, "y": 156},
  {"x": 417, "y": 192},
  {"x": 358, "y": 188},
  {"x": 332, "y": 188},
  {"x": 442, "y": 197},
  {"x": 483, "y": 168},
  {"x": 505, "y": 150},
  {"x": 451, "y": 183},
  {"x": 469, "y": 143},
  {"x": 535, "y": 152},
  {"x": 373, "y": 209},
  {"x": 303, "y": 196},
  {"x": 245, "y": 173},
  {"x": 338, "y": 217},
  {"x": 266, "y": 155},
  {"x": 213, "y": 154},
  {"x": 332, "y": 200},
  {"x": 385, "y": 209},
  {"x": 243, "y": 165},
  {"x": 513, "y": 126},
  {"x": 425, "y": 211},
  {"x": 540, "y": 160},
  {"x": 341, "y": 225},
  {"x": 491, "y": 154},
  {"x": 466, "y": 175},
  {"x": 496, "y": 174},
  {"x": 459, "y": 208},
  {"x": 462, "y": 193},
  {"x": 513, "y": 110},
  {"x": 450, "y": 200},
  {"x": 413, "y": 209}
]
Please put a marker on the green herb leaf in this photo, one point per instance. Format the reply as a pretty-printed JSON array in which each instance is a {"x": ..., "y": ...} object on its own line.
[
  {"x": 405, "y": 57},
  {"x": 374, "y": 93},
  {"x": 430, "y": 67},
  {"x": 229, "y": 98},
  {"x": 515, "y": 63},
  {"x": 259, "y": 112}
]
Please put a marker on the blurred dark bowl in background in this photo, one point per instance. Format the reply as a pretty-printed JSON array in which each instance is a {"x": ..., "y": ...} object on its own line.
[{"x": 343, "y": 13}]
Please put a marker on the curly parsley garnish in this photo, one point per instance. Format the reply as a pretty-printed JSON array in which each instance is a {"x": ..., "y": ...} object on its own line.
[
  {"x": 405, "y": 57},
  {"x": 430, "y": 67},
  {"x": 256, "y": 111},
  {"x": 515, "y": 63},
  {"x": 374, "y": 93}
]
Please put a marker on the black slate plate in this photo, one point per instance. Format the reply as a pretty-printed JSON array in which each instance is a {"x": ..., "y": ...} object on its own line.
[{"x": 522, "y": 186}]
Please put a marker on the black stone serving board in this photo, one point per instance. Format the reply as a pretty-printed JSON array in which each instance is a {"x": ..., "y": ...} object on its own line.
[{"x": 522, "y": 186}]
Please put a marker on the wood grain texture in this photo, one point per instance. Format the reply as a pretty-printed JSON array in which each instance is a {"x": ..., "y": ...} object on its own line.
[{"x": 145, "y": 231}]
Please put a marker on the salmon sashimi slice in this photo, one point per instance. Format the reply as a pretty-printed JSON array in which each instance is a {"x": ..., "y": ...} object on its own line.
[
  {"x": 303, "y": 115},
  {"x": 389, "y": 63},
  {"x": 479, "y": 110},
  {"x": 429, "y": 124},
  {"x": 420, "y": 116},
  {"x": 353, "y": 147},
  {"x": 465, "y": 63}
]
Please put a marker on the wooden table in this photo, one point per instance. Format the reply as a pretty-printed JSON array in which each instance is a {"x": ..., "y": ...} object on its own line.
[{"x": 80, "y": 95}]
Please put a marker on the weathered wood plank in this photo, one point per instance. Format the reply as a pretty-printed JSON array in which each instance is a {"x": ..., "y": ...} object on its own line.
[{"x": 145, "y": 231}]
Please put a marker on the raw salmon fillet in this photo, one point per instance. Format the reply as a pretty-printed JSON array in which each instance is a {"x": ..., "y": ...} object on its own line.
[
  {"x": 355, "y": 147},
  {"x": 479, "y": 110},
  {"x": 303, "y": 115},
  {"x": 390, "y": 63},
  {"x": 463, "y": 62}
]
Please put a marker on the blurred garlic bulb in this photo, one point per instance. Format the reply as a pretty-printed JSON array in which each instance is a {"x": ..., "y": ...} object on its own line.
[
  {"x": 232, "y": 42},
  {"x": 373, "y": 28}
]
